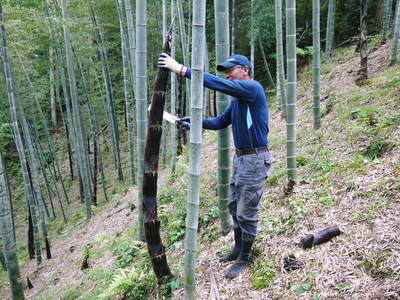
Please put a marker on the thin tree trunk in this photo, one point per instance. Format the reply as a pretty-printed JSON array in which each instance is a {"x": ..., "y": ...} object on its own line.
[
  {"x": 31, "y": 239},
  {"x": 149, "y": 188},
  {"x": 330, "y": 30},
  {"x": 291, "y": 91},
  {"x": 141, "y": 102},
  {"x": 266, "y": 63},
  {"x": 95, "y": 169},
  {"x": 316, "y": 64},
  {"x": 396, "y": 36},
  {"x": 279, "y": 55},
  {"x": 224, "y": 135},
  {"x": 363, "y": 42},
  {"x": 196, "y": 116},
  {"x": 9, "y": 198},
  {"x": 7, "y": 230},
  {"x": 52, "y": 91}
]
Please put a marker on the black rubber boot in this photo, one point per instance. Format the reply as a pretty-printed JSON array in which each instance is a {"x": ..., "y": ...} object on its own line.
[
  {"x": 233, "y": 255},
  {"x": 243, "y": 260}
]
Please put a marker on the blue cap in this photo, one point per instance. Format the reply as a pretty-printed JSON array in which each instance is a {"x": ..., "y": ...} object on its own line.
[{"x": 234, "y": 60}]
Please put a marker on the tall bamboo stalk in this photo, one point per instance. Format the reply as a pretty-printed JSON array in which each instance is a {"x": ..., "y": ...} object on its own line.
[
  {"x": 52, "y": 90},
  {"x": 233, "y": 26},
  {"x": 141, "y": 102},
  {"x": 224, "y": 138},
  {"x": 173, "y": 88},
  {"x": 131, "y": 49},
  {"x": 18, "y": 140},
  {"x": 316, "y": 64},
  {"x": 330, "y": 28},
  {"x": 185, "y": 50},
  {"x": 82, "y": 154},
  {"x": 291, "y": 90},
  {"x": 279, "y": 55},
  {"x": 385, "y": 31},
  {"x": 396, "y": 36},
  {"x": 125, "y": 68},
  {"x": 252, "y": 38},
  {"x": 164, "y": 123},
  {"x": 149, "y": 188},
  {"x": 395, "y": 12},
  {"x": 196, "y": 116},
  {"x": 2, "y": 259},
  {"x": 389, "y": 13},
  {"x": 131, "y": 43},
  {"x": 7, "y": 230},
  {"x": 206, "y": 101}
]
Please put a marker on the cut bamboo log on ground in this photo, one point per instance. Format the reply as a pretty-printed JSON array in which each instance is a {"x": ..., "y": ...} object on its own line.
[{"x": 320, "y": 237}]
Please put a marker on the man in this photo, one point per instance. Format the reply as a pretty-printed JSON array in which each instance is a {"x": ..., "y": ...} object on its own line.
[{"x": 248, "y": 115}]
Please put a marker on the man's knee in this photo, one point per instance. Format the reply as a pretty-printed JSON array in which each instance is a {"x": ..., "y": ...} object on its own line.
[
  {"x": 232, "y": 207},
  {"x": 248, "y": 228}
]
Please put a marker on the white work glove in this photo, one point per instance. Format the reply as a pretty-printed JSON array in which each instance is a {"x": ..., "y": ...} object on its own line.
[{"x": 166, "y": 61}]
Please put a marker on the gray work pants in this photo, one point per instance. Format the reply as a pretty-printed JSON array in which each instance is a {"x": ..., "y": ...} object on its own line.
[{"x": 246, "y": 189}]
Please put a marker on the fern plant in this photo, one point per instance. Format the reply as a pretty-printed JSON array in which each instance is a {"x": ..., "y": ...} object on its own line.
[{"x": 131, "y": 284}]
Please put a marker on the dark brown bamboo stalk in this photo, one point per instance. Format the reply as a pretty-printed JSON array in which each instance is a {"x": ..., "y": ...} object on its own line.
[
  {"x": 363, "y": 43},
  {"x": 94, "y": 200},
  {"x": 151, "y": 157}
]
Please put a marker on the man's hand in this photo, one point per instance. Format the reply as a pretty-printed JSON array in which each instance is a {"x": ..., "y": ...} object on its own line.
[
  {"x": 166, "y": 61},
  {"x": 184, "y": 123}
]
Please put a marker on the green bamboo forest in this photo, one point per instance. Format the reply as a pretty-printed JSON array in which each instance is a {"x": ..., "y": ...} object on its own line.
[{"x": 105, "y": 193}]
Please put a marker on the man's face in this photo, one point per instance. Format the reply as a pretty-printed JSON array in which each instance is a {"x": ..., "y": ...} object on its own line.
[{"x": 236, "y": 73}]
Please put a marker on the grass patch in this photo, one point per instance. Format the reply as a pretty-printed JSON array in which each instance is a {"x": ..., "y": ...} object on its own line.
[
  {"x": 263, "y": 275},
  {"x": 71, "y": 293}
]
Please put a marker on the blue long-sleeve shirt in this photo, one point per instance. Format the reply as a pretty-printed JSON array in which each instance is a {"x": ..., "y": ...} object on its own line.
[{"x": 247, "y": 112}]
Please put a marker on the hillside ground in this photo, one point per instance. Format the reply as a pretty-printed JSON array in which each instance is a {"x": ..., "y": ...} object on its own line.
[{"x": 348, "y": 175}]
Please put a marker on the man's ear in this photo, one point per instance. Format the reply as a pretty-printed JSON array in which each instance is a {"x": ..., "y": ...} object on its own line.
[{"x": 246, "y": 70}]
